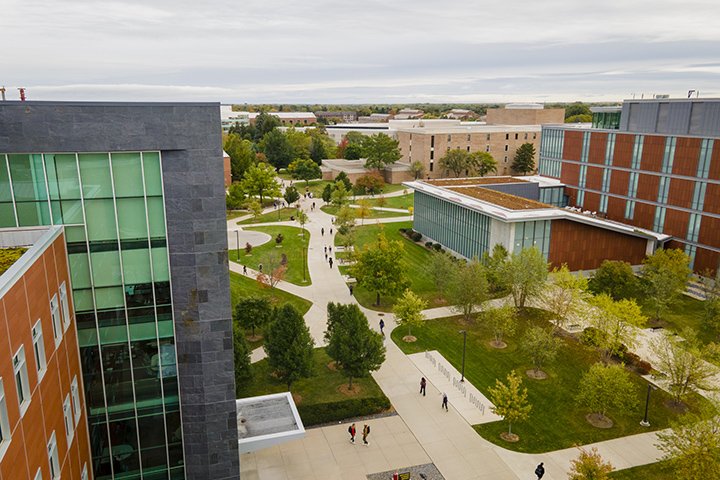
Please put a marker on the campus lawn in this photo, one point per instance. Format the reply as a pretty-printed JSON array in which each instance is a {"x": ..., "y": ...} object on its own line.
[
  {"x": 318, "y": 397},
  {"x": 556, "y": 421},
  {"x": 333, "y": 210},
  {"x": 314, "y": 186},
  {"x": 243, "y": 287},
  {"x": 280, "y": 215},
  {"x": 290, "y": 246},
  {"x": 416, "y": 258},
  {"x": 685, "y": 312},
  {"x": 236, "y": 213},
  {"x": 403, "y": 201},
  {"x": 653, "y": 471}
]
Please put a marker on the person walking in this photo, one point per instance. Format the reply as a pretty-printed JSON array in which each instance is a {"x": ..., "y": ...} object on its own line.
[
  {"x": 382, "y": 325},
  {"x": 326, "y": 256},
  {"x": 366, "y": 432},
  {"x": 325, "y": 248},
  {"x": 330, "y": 260},
  {"x": 322, "y": 232},
  {"x": 351, "y": 431},
  {"x": 444, "y": 402},
  {"x": 350, "y": 286},
  {"x": 423, "y": 383},
  {"x": 540, "y": 471},
  {"x": 331, "y": 231},
  {"x": 244, "y": 269},
  {"x": 260, "y": 267}
]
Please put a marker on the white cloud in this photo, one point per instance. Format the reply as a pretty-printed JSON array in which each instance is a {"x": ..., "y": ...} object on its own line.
[{"x": 368, "y": 50}]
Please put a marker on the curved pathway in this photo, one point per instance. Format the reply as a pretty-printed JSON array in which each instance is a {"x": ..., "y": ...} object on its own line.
[{"x": 446, "y": 438}]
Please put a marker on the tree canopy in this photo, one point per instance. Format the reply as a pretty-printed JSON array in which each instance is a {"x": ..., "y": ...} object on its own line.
[
  {"x": 484, "y": 163},
  {"x": 524, "y": 274},
  {"x": 304, "y": 169},
  {"x": 380, "y": 267},
  {"x": 617, "y": 322},
  {"x": 289, "y": 346},
  {"x": 458, "y": 161},
  {"x": 260, "y": 180},
  {"x": 277, "y": 149},
  {"x": 510, "y": 400},
  {"x": 693, "y": 445},
  {"x": 252, "y": 312},
  {"x": 408, "y": 310},
  {"x": 664, "y": 275},
  {"x": 241, "y": 153},
  {"x": 380, "y": 150},
  {"x": 467, "y": 289},
  {"x": 616, "y": 278},
  {"x": 607, "y": 387},
  {"x": 524, "y": 161}
]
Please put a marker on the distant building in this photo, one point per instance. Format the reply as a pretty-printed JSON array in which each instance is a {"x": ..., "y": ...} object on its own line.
[
  {"x": 227, "y": 169},
  {"x": 461, "y": 114},
  {"x": 409, "y": 114},
  {"x": 470, "y": 216},
  {"x": 43, "y": 415},
  {"x": 653, "y": 163},
  {"x": 375, "y": 118},
  {"x": 342, "y": 116},
  {"x": 394, "y": 173},
  {"x": 289, "y": 118},
  {"x": 230, "y": 119},
  {"x": 524, "y": 114}
]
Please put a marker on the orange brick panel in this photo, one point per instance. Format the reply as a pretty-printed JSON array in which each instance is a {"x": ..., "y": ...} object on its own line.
[
  {"x": 653, "y": 152},
  {"x": 616, "y": 209},
  {"x": 619, "y": 182},
  {"x": 644, "y": 215},
  {"x": 648, "y": 187},
  {"x": 623, "y": 150},
  {"x": 715, "y": 163},
  {"x": 572, "y": 145},
  {"x": 687, "y": 151},
  {"x": 710, "y": 231},
  {"x": 593, "y": 179},
  {"x": 712, "y": 198},
  {"x": 570, "y": 174},
  {"x": 592, "y": 201},
  {"x": 706, "y": 260},
  {"x": 681, "y": 192},
  {"x": 584, "y": 247},
  {"x": 676, "y": 223},
  {"x": 598, "y": 142}
]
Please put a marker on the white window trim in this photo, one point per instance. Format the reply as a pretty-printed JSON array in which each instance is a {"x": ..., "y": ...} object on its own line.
[
  {"x": 39, "y": 349},
  {"x": 38, "y": 474},
  {"x": 65, "y": 305},
  {"x": 56, "y": 321},
  {"x": 77, "y": 408},
  {"x": 52, "y": 451},
  {"x": 84, "y": 473},
  {"x": 68, "y": 420},
  {"x": 20, "y": 366},
  {"x": 4, "y": 422}
]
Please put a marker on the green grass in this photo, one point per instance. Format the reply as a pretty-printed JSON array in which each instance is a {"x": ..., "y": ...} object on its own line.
[
  {"x": 320, "y": 389},
  {"x": 333, "y": 210},
  {"x": 653, "y": 471},
  {"x": 685, "y": 312},
  {"x": 416, "y": 258},
  {"x": 291, "y": 246},
  {"x": 280, "y": 215},
  {"x": 314, "y": 186},
  {"x": 236, "y": 213},
  {"x": 242, "y": 287},
  {"x": 403, "y": 201},
  {"x": 556, "y": 421}
]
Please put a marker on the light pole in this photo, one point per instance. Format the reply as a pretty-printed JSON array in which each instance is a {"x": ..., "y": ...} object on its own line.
[
  {"x": 644, "y": 421},
  {"x": 237, "y": 244},
  {"x": 304, "y": 262},
  {"x": 462, "y": 373}
]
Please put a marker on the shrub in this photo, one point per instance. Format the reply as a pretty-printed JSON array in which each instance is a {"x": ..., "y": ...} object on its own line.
[
  {"x": 592, "y": 337},
  {"x": 371, "y": 183},
  {"x": 248, "y": 248},
  {"x": 638, "y": 364},
  {"x": 403, "y": 230},
  {"x": 335, "y": 411},
  {"x": 437, "y": 247},
  {"x": 415, "y": 236},
  {"x": 279, "y": 238},
  {"x": 429, "y": 244}
]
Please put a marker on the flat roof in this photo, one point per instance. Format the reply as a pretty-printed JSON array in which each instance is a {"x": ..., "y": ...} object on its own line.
[
  {"x": 469, "y": 127},
  {"x": 267, "y": 420},
  {"x": 35, "y": 239},
  {"x": 10, "y": 255},
  {"x": 505, "y": 200},
  {"x": 472, "y": 181}
]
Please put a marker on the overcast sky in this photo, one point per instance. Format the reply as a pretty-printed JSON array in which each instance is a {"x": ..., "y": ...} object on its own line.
[{"x": 330, "y": 51}]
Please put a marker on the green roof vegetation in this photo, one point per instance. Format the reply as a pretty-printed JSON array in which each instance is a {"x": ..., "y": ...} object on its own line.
[{"x": 8, "y": 256}]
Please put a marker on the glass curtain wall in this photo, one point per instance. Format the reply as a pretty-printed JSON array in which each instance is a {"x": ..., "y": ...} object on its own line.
[{"x": 114, "y": 215}]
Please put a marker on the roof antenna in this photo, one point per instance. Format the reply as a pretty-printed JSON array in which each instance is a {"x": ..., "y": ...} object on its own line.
[
  {"x": 22, "y": 94},
  {"x": 2, "y": 92}
]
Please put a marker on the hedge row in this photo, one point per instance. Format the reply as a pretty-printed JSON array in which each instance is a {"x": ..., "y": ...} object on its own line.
[{"x": 319, "y": 413}]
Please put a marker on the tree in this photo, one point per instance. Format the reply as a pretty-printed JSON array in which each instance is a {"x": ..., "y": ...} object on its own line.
[
  {"x": 291, "y": 195},
  {"x": 380, "y": 150},
  {"x": 342, "y": 177},
  {"x": 277, "y": 149},
  {"x": 484, "y": 163},
  {"x": 380, "y": 268},
  {"x": 524, "y": 159},
  {"x": 577, "y": 108},
  {"x": 327, "y": 193},
  {"x": 565, "y": 296},
  {"x": 255, "y": 208},
  {"x": 241, "y": 354},
  {"x": 524, "y": 274},
  {"x": 234, "y": 197},
  {"x": 241, "y": 153},
  {"x": 252, "y": 312},
  {"x": 289, "y": 346},
  {"x": 494, "y": 265},
  {"x": 339, "y": 196},
  {"x": 606, "y": 387},
  {"x": 616, "y": 278},
  {"x": 711, "y": 290},
  {"x": 345, "y": 219},
  {"x": 458, "y": 161},
  {"x": 371, "y": 184},
  {"x": 510, "y": 400},
  {"x": 467, "y": 289},
  {"x": 417, "y": 169},
  {"x": 590, "y": 466},
  {"x": 664, "y": 275},
  {"x": 264, "y": 123},
  {"x": 321, "y": 147},
  {"x": 680, "y": 359},
  {"x": 584, "y": 118},
  {"x": 302, "y": 219},
  {"x": 408, "y": 311},
  {"x": 364, "y": 210},
  {"x": 501, "y": 321},
  {"x": 617, "y": 323},
  {"x": 692, "y": 447},
  {"x": 356, "y": 349},
  {"x": 541, "y": 346},
  {"x": 441, "y": 267},
  {"x": 299, "y": 144},
  {"x": 274, "y": 270},
  {"x": 304, "y": 169},
  {"x": 260, "y": 180},
  {"x": 354, "y": 147}
]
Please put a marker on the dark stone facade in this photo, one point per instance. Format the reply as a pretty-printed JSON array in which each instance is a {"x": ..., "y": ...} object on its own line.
[{"x": 189, "y": 138}]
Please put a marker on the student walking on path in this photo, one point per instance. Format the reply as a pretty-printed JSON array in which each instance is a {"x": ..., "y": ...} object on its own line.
[
  {"x": 382, "y": 325},
  {"x": 351, "y": 431},
  {"x": 366, "y": 432},
  {"x": 540, "y": 471},
  {"x": 444, "y": 402},
  {"x": 322, "y": 232},
  {"x": 423, "y": 383},
  {"x": 330, "y": 260}
]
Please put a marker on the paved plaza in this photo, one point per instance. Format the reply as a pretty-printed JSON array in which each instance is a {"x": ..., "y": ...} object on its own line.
[{"x": 421, "y": 432}]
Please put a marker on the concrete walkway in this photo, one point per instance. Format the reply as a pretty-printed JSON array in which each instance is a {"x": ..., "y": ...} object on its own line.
[{"x": 446, "y": 438}]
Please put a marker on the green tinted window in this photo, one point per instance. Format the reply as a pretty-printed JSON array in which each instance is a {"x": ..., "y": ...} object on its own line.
[
  {"x": 79, "y": 270},
  {"x": 5, "y": 194},
  {"x": 62, "y": 176},
  {"x": 101, "y": 215},
  {"x": 127, "y": 174},
  {"x": 131, "y": 218},
  {"x": 74, "y": 234},
  {"x": 83, "y": 300},
  {"x": 28, "y": 179},
  {"x": 95, "y": 175},
  {"x": 71, "y": 210},
  {"x": 111, "y": 297},
  {"x": 160, "y": 264},
  {"x": 153, "y": 176},
  {"x": 33, "y": 213},
  {"x": 136, "y": 266},
  {"x": 156, "y": 217},
  {"x": 7, "y": 215},
  {"x": 105, "y": 268}
]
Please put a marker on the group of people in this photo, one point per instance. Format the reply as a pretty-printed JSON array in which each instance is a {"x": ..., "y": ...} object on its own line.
[
  {"x": 423, "y": 386},
  {"x": 365, "y": 432}
]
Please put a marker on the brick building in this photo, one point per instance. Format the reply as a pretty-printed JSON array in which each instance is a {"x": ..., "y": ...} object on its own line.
[
  {"x": 524, "y": 114},
  {"x": 43, "y": 424},
  {"x": 659, "y": 169}
]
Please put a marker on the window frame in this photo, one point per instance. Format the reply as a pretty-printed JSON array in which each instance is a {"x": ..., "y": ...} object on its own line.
[
  {"x": 68, "y": 420},
  {"x": 19, "y": 362},
  {"x": 39, "y": 349},
  {"x": 5, "y": 431},
  {"x": 53, "y": 457},
  {"x": 75, "y": 394},
  {"x": 65, "y": 306},
  {"x": 55, "y": 318}
]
